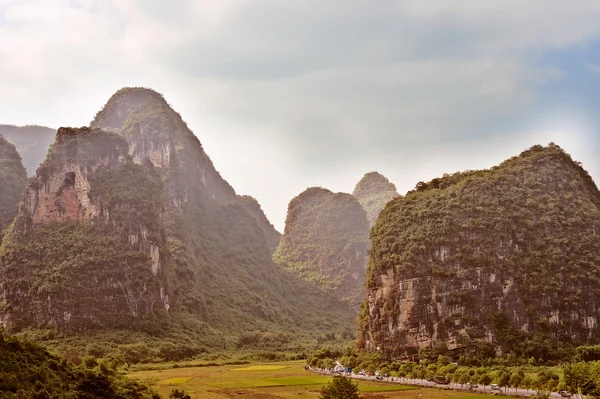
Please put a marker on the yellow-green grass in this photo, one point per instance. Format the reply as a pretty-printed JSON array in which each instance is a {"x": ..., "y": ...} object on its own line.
[
  {"x": 288, "y": 380},
  {"x": 176, "y": 380},
  {"x": 260, "y": 368}
]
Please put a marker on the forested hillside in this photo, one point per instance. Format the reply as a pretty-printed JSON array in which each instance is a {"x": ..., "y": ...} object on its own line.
[{"x": 508, "y": 255}]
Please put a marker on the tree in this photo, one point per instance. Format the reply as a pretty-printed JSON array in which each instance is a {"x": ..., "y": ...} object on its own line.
[
  {"x": 485, "y": 379},
  {"x": 177, "y": 394},
  {"x": 515, "y": 380},
  {"x": 504, "y": 379},
  {"x": 340, "y": 388},
  {"x": 527, "y": 382}
]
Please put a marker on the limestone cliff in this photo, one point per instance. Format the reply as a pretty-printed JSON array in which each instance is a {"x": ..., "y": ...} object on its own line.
[
  {"x": 373, "y": 191},
  {"x": 13, "y": 178},
  {"x": 251, "y": 205},
  {"x": 87, "y": 247},
  {"x": 32, "y": 143},
  {"x": 325, "y": 242},
  {"x": 509, "y": 255}
]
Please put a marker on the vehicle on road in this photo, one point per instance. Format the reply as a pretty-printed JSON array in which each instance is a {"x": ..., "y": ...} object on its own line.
[
  {"x": 565, "y": 394},
  {"x": 495, "y": 387},
  {"x": 441, "y": 380},
  {"x": 379, "y": 377},
  {"x": 472, "y": 386}
]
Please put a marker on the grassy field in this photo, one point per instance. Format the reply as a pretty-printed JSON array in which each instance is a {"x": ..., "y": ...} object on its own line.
[{"x": 271, "y": 381}]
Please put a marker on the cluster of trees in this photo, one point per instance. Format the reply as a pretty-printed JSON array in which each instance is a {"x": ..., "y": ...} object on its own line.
[{"x": 29, "y": 371}]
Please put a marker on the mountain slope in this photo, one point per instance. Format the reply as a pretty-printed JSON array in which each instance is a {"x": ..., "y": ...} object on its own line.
[
  {"x": 509, "y": 255},
  {"x": 32, "y": 143},
  {"x": 251, "y": 205},
  {"x": 13, "y": 178},
  {"x": 325, "y": 242},
  {"x": 373, "y": 191},
  {"x": 224, "y": 274}
]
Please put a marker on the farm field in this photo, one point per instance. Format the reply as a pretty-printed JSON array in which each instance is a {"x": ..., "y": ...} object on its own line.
[{"x": 271, "y": 381}]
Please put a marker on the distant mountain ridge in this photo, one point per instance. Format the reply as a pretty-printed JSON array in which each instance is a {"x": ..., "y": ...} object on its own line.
[
  {"x": 13, "y": 178},
  {"x": 326, "y": 236},
  {"x": 32, "y": 143},
  {"x": 373, "y": 191}
]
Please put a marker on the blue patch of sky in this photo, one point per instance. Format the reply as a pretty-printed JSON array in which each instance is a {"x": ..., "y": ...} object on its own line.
[{"x": 572, "y": 100}]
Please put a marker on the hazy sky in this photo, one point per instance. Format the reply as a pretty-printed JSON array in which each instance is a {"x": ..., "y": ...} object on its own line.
[{"x": 287, "y": 94}]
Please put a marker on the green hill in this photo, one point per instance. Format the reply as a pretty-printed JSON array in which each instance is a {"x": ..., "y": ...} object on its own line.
[
  {"x": 325, "y": 242},
  {"x": 509, "y": 255}
]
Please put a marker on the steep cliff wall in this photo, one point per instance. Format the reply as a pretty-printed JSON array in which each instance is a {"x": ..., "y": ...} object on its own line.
[
  {"x": 13, "y": 178},
  {"x": 373, "y": 191},
  {"x": 32, "y": 143},
  {"x": 325, "y": 242},
  {"x": 509, "y": 255},
  {"x": 87, "y": 248}
]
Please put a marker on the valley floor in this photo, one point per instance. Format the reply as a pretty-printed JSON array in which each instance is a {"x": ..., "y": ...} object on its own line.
[{"x": 272, "y": 381}]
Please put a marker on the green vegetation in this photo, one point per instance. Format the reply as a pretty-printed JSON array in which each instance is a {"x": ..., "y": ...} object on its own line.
[
  {"x": 325, "y": 242},
  {"x": 32, "y": 143},
  {"x": 13, "y": 178},
  {"x": 290, "y": 380},
  {"x": 29, "y": 371},
  {"x": 373, "y": 191},
  {"x": 251, "y": 205},
  {"x": 75, "y": 275},
  {"x": 340, "y": 388},
  {"x": 513, "y": 250},
  {"x": 259, "y": 368}
]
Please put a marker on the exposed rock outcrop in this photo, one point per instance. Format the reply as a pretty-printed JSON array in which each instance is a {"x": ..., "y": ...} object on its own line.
[
  {"x": 87, "y": 247},
  {"x": 32, "y": 143},
  {"x": 373, "y": 191},
  {"x": 495, "y": 255},
  {"x": 13, "y": 178},
  {"x": 325, "y": 242}
]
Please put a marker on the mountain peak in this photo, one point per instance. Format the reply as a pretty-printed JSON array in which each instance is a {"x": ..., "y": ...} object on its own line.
[
  {"x": 139, "y": 102},
  {"x": 372, "y": 182},
  {"x": 373, "y": 191}
]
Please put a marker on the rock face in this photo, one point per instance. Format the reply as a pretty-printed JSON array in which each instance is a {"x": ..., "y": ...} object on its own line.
[
  {"x": 373, "y": 191},
  {"x": 13, "y": 178},
  {"x": 325, "y": 242},
  {"x": 251, "y": 205},
  {"x": 32, "y": 143},
  {"x": 499, "y": 255},
  {"x": 87, "y": 248}
]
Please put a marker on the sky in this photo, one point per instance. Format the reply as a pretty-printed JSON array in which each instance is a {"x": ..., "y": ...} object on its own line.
[{"x": 285, "y": 95}]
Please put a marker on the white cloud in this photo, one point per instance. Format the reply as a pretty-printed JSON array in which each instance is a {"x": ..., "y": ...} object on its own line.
[{"x": 285, "y": 95}]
